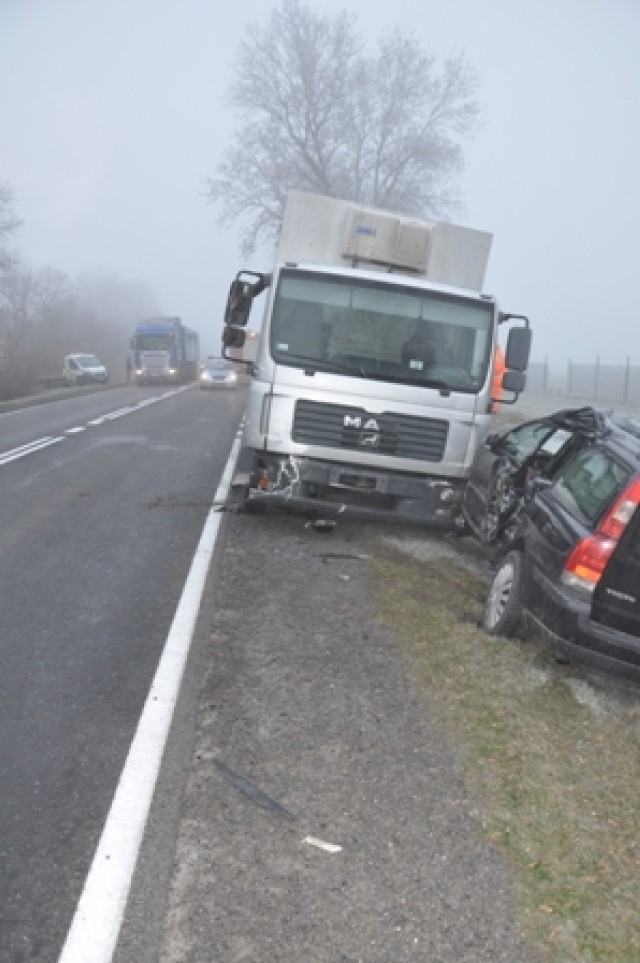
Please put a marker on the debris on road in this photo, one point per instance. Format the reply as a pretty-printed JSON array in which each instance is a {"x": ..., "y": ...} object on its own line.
[
  {"x": 327, "y": 556},
  {"x": 248, "y": 788},
  {"x": 321, "y": 844},
  {"x": 322, "y": 525}
]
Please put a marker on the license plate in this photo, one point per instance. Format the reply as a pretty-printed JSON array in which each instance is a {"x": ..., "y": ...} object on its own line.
[{"x": 357, "y": 481}]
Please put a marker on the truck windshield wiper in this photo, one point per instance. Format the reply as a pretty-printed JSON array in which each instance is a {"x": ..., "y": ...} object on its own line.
[
  {"x": 311, "y": 365},
  {"x": 403, "y": 380},
  {"x": 434, "y": 383}
]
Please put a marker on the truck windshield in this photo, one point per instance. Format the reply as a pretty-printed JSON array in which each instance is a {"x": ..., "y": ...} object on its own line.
[
  {"x": 154, "y": 342},
  {"x": 366, "y": 328}
]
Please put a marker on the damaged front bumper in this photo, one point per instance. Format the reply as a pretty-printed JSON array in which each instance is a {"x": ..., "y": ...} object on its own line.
[{"x": 306, "y": 485}]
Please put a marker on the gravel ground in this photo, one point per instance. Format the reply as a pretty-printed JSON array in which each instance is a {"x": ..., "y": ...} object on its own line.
[{"x": 305, "y": 696}]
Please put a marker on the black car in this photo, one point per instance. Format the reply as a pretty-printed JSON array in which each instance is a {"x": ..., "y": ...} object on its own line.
[{"x": 556, "y": 500}]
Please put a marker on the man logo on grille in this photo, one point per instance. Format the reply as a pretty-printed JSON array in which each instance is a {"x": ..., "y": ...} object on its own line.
[
  {"x": 366, "y": 430},
  {"x": 370, "y": 434}
]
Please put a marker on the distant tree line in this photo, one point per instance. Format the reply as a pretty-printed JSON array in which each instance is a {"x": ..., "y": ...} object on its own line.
[{"x": 45, "y": 315}]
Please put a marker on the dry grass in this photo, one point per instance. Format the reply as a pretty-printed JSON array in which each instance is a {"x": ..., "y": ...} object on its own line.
[{"x": 552, "y": 757}]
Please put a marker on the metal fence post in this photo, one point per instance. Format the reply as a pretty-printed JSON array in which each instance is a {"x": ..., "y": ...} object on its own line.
[{"x": 625, "y": 396}]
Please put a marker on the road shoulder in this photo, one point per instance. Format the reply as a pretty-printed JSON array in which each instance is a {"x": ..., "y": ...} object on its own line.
[{"x": 305, "y": 695}]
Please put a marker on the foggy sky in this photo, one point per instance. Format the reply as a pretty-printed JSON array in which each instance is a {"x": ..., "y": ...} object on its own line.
[{"x": 112, "y": 114}]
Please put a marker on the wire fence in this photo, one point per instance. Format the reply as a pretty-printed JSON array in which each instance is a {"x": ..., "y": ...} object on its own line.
[{"x": 606, "y": 383}]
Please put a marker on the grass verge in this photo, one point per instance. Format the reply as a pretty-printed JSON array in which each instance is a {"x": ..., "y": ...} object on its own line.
[{"x": 551, "y": 756}]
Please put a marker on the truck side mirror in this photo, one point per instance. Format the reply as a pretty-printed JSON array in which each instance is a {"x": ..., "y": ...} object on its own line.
[
  {"x": 514, "y": 381},
  {"x": 238, "y": 304},
  {"x": 233, "y": 337},
  {"x": 246, "y": 286},
  {"x": 518, "y": 349}
]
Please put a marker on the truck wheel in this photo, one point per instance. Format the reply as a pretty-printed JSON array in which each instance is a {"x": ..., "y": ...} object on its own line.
[{"x": 503, "y": 609}]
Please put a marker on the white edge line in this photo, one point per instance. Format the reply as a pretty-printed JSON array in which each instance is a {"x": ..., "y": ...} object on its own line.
[{"x": 96, "y": 924}]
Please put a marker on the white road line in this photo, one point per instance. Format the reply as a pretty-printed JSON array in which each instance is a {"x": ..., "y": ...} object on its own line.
[
  {"x": 29, "y": 444},
  {"x": 14, "y": 453},
  {"x": 24, "y": 450},
  {"x": 120, "y": 412},
  {"x": 95, "y": 927}
]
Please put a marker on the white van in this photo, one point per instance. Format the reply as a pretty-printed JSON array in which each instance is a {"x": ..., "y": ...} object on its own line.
[{"x": 84, "y": 369}]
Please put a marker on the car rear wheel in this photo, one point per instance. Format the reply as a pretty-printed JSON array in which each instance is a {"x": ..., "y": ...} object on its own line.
[{"x": 502, "y": 611}]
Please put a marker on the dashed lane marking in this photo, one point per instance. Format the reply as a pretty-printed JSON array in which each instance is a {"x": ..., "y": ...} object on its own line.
[{"x": 29, "y": 449}]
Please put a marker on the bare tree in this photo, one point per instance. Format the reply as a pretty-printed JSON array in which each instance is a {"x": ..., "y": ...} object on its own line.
[
  {"x": 8, "y": 222},
  {"x": 17, "y": 307},
  {"x": 317, "y": 113},
  {"x": 111, "y": 307},
  {"x": 44, "y": 316}
]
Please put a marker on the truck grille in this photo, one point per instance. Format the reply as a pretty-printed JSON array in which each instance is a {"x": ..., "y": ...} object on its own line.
[
  {"x": 155, "y": 363},
  {"x": 340, "y": 426}
]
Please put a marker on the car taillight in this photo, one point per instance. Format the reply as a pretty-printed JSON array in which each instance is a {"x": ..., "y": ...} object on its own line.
[{"x": 589, "y": 558}]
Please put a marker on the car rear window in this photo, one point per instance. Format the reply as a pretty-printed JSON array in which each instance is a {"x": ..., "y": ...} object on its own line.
[{"x": 588, "y": 483}]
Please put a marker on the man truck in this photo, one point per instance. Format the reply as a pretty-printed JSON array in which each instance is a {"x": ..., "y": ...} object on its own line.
[
  {"x": 164, "y": 350},
  {"x": 372, "y": 384}
]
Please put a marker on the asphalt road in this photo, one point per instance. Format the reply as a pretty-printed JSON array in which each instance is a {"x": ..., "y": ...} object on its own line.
[
  {"x": 102, "y": 501},
  {"x": 290, "y": 683}
]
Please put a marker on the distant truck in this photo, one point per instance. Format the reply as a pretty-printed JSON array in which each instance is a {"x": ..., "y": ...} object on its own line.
[
  {"x": 372, "y": 385},
  {"x": 164, "y": 350}
]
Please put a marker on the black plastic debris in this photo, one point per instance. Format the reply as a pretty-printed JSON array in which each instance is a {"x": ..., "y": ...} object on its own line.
[{"x": 248, "y": 788}]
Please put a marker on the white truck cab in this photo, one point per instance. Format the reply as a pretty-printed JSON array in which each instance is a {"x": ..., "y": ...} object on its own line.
[{"x": 371, "y": 387}]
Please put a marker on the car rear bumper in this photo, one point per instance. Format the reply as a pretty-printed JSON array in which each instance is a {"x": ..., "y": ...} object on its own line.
[{"x": 568, "y": 624}]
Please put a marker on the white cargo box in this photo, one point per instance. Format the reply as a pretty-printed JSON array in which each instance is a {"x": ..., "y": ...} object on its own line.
[{"x": 328, "y": 230}]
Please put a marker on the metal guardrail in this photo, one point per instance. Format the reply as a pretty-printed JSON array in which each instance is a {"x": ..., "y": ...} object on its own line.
[{"x": 55, "y": 381}]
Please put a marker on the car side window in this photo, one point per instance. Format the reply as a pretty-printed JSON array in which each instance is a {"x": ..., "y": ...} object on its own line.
[{"x": 586, "y": 485}]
